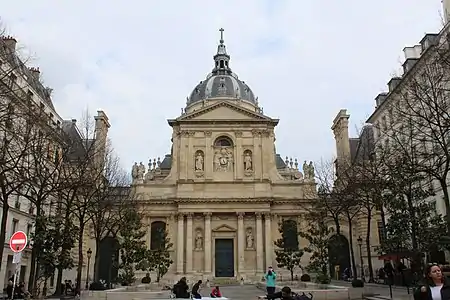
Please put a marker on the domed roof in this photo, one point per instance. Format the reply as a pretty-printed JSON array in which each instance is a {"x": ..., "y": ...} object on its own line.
[{"x": 221, "y": 82}]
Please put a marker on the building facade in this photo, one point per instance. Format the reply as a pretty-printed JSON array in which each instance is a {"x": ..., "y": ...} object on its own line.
[{"x": 223, "y": 189}]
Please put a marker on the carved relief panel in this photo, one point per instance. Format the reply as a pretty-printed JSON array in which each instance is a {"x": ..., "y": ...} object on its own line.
[{"x": 223, "y": 155}]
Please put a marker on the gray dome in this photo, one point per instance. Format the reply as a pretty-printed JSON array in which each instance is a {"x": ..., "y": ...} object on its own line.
[
  {"x": 221, "y": 82},
  {"x": 225, "y": 85}
]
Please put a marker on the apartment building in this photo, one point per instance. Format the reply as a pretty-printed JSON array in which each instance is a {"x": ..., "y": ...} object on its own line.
[{"x": 21, "y": 88}]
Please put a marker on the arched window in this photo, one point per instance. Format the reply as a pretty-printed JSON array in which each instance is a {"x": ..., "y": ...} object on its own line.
[
  {"x": 223, "y": 141},
  {"x": 290, "y": 234},
  {"x": 157, "y": 235}
]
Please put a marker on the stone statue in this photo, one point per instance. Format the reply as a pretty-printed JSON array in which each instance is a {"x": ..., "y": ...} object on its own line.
[
  {"x": 140, "y": 171},
  {"x": 250, "y": 239},
  {"x": 199, "y": 240},
  {"x": 223, "y": 159},
  {"x": 134, "y": 171},
  {"x": 311, "y": 170},
  {"x": 306, "y": 170},
  {"x": 199, "y": 161},
  {"x": 248, "y": 166}
]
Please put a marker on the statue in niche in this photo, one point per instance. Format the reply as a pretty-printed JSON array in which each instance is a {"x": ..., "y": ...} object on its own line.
[
  {"x": 199, "y": 240},
  {"x": 134, "y": 171},
  {"x": 248, "y": 164},
  {"x": 223, "y": 159},
  {"x": 250, "y": 238},
  {"x": 199, "y": 161}
]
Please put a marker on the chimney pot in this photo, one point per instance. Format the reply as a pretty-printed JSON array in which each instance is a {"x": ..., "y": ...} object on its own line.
[
  {"x": 74, "y": 121},
  {"x": 10, "y": 42}
]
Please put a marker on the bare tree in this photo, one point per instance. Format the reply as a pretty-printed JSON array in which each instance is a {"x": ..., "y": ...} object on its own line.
[{"x": 419, "y": 113}]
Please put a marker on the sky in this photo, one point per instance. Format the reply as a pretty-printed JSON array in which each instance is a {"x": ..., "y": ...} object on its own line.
[{"x": 138, "y": 60}]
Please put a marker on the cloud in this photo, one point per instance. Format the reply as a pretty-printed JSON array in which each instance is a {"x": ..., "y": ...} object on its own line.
[{"x": 138, "y": 60}]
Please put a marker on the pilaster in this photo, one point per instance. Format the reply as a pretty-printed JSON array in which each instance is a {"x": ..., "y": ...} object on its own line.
[
  {"x": 190, "y": 159},
  {"x": 239, "y": 155},
  {"x": 257, "y": 157},
  {"x": 149, "y": 232},
  {"x": 189, "y": 242},
  {"x": 208, "y": 248},
  {"x": 241, "y": 242},
  {"x": 209, "y": 155},
  {"x": 180, "y": 244},
  {"x": 269, "y": 241},
  {"x": 259, "y": 244}
]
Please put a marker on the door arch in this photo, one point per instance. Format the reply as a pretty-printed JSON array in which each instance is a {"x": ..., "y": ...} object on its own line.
[{"x": 338, "y": 254}]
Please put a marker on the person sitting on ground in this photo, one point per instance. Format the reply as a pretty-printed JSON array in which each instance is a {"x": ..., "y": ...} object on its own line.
[
  {"x": 287, "y": 294},
  {"x": 180, "y": 289},
  {"x": 195, "y": 290},
  {"x": 215, "y": 293}
]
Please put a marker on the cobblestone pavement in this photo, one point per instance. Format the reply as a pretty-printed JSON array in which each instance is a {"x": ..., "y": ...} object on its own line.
[{"x": 240, "y": 292}]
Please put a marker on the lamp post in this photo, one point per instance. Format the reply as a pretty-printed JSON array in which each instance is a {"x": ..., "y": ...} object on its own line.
[
  {"x": 360, "y": 242},
  {"x": 89, "y": 254}
]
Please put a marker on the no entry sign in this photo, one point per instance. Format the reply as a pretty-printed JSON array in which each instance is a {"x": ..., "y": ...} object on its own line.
[{"x": 18, "y": 241}]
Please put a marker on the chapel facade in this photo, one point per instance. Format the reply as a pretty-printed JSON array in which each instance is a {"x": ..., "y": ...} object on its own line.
[{"x": 223, "y": 189}]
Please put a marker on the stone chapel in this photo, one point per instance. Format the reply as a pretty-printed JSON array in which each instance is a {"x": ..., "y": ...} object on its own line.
[{"x": 223, "y": 189}]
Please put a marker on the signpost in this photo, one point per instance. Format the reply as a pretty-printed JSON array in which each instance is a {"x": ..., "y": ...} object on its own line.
[{"x": 17, "y": 243}]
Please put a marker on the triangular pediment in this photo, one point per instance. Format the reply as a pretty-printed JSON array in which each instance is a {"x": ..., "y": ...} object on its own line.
[
  {"x": 223, "y": 111},
  {"x": 224, "y": 228}
]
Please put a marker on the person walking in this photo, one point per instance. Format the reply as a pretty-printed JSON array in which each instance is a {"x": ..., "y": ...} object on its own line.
[{"x": 271, "y": 278}]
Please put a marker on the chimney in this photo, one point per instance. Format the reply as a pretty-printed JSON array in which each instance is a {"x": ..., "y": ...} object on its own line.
[
  {"x": 341, "y": 137},
  {"x": 446, "y": 10},
  {"x": 101, "y": 135},
  {"x": 392, "y": 84},
  {"x": 10, "y": 43},
  {"x": 74, "y": 121},
  {"x": 380, "y": 99},
  {"x": 35, "y": 72}
]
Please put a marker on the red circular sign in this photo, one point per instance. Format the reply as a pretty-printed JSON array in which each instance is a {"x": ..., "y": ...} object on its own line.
[{"x": 18, "y": 241}]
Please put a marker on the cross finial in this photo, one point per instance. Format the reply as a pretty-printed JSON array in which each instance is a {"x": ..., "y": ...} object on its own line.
[{"x": 221, "y": 35}]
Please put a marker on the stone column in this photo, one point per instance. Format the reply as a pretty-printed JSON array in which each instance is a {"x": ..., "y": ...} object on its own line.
[
  {"x": 207, "y": 246},
  {"x": 259, "y": 244},
  {"x": 180, "y": 244},
  {"x": 149, "y": 232},
  {"x": 269, "y": 241},
  {"x": 241, "y": 242},
  {"x": 189, "y": 242}
]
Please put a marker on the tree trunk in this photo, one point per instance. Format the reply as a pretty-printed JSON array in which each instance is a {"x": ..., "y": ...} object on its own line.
[
  {"x": 58, "y": 290},
  {"x": 369, "y": 250},
  {"x": 80, "y": 259},
  {"x": 352, "y": 252},
  {"x": 96, "y": 260},
  {"x": 34, "y": 255},
  {"x": 5, "y": 210},
  {"x": 292, "y": 274},
  {"x": 338, "y": 226}
]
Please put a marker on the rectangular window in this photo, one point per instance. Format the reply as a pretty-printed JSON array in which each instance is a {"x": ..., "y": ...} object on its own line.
[
  {"x": 381, "y": 232},
  {"x": 15, "y": 226},
  {"x": 29, "y": 229}
]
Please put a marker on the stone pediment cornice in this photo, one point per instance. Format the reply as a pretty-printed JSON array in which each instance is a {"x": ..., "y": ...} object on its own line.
[
  {"x": 255, "y": 117},
  {"x": 273, "y": 200}
]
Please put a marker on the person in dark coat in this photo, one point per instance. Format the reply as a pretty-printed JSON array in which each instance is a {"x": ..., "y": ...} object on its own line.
[
  {"x": 435, "y": 286},
  {"x": 195, "y": 290},
  {"x": 180, "y": 289}
]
